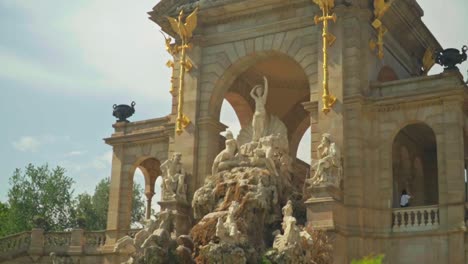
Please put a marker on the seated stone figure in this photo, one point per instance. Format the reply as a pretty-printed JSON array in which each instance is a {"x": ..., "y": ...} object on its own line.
[
  {"x": 260, "y": 160},
  {"x": 328, "y": 169},
  {"x": 227, "y": 154},
  {"x": 174, "y": 179}
]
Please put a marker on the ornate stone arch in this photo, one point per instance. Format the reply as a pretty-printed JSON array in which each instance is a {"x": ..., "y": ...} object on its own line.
[{"x": 225, "y": 62}]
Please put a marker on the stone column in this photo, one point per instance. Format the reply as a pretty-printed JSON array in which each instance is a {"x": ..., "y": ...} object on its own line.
[
  {"x": 120, "y": 197},
  {"x": 451, "y": 177},
  {"x": 312, "y": 108},
  {"x": 149, "y": 198},
  {"x": 209, "y": 130}
]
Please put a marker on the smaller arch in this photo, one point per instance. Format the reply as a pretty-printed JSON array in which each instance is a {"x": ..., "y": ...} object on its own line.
[
  {"x": 387, "y": 74},
  {"x": 408, "y": 123},
  {"x": 151, "y": 170},
  {"x": 415, "y": 164}
]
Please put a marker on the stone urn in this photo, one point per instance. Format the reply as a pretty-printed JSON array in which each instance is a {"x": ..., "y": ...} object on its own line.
[
  {"x": 122, "y": 112},
  {"x": 449, "y": 58}
]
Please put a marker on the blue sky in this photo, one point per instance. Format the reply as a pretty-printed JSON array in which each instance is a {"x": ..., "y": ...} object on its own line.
[{"x": 63, "y": 64}]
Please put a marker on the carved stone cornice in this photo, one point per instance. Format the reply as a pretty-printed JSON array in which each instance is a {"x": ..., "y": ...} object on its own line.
[
  {"x": 398, "y": 106},
  {"x": 146, "y": 130},
  {"x": 405, "y": 16}
]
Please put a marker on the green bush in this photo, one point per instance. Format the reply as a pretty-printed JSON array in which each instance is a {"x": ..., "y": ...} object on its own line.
[{"x": 369, "y": 260}]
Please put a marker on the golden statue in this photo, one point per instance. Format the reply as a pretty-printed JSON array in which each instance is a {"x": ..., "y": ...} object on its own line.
[
  {"x": 379, "y": 44},
  {"x": 380, "y": 8},
  {"x": 328, "y": 40},
  {"x": 428, "y": 60},
  {"x": 185, "y": 32}
]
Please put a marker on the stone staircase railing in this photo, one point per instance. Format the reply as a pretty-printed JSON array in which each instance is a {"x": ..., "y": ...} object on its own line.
[
  {"x": 410, "y": 219},
  {"x": 14, "y": 245},
  {"x": 37, "y": 242}
]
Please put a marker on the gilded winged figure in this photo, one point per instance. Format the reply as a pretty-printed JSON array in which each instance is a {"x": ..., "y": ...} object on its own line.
[{"x": 184, "y": 30}]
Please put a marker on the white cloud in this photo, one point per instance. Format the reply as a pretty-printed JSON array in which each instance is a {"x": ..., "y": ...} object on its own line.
[
  {"x": 120, "y": 49},
  {"x": 75, "y": 153},
  {"x": 102, "y": 162},
  {"x": 27, "y": 144}
]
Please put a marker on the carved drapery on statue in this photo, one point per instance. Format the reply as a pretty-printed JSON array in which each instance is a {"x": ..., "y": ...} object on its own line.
[
  {"x": 327, "y": 168},
  {"x": 173, "y": 185}
]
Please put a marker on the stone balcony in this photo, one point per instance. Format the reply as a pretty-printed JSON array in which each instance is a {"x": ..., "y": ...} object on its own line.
[{"x": 414, "y": 219}]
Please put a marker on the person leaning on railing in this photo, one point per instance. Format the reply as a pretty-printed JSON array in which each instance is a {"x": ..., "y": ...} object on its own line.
[{"x": 405, "y": 198}]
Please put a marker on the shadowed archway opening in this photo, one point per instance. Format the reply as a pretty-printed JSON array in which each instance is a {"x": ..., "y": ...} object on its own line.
[
  {"x": 288, "y": 89},
  {"x": 415, "y": 165},
  {"x": 148, "y": 175}
]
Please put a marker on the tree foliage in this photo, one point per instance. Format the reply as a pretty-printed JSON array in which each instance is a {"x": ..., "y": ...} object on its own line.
[
  {"x": 40, "y": 191},
  {"x": 4, "y": 221},
  {"x": 94, "y": 208}
]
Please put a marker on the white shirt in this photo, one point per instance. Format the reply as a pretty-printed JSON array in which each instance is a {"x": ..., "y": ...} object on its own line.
[{"x": 404, "y": 199}]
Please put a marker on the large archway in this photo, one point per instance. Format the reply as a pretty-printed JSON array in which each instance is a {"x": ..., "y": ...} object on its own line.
[
  {"x": 288, "y": 89},
  {"x": 415, "y": 165}
]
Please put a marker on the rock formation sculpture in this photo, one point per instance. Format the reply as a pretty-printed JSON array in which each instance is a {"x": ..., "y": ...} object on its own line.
[
  {"x": 173, "y": 186},
  {"x": 155, "y": 242},
  {"x": 291, "y": 246}
]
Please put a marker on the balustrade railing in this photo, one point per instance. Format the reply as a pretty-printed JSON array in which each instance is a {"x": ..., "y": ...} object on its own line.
[
  {"x": 14, "y": 244},
  {"x": 57, "y": 241},
  {"x": 421, "y": 218},
  {"x": 94, "y": 240}
]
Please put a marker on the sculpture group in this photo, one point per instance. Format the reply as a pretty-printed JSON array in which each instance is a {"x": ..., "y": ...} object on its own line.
[{"x": 240, "y": 202}]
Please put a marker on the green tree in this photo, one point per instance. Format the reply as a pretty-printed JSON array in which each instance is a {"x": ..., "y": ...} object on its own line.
[
  {"x": 39, "y": 191},
  {"x": 4, "y": 221},
  {"x": 94, "y": 208}
]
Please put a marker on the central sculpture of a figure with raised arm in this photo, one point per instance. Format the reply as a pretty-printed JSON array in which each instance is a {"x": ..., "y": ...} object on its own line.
[{"x": 259, "y": 93}]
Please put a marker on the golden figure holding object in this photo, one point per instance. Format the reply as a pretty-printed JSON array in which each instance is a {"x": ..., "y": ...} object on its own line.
[
  {"x": 328, "y": 40},
  {"x": 185, "y": 32},
  {"x": 380, "y": 8}
]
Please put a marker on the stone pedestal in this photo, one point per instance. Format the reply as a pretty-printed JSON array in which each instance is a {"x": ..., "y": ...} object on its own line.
[
  {"x": 322, "y": 206},
  {"x": 36, "y": 248},
  {"x": 183, "y": 219},
  {"x": 77, "y": 241}
]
